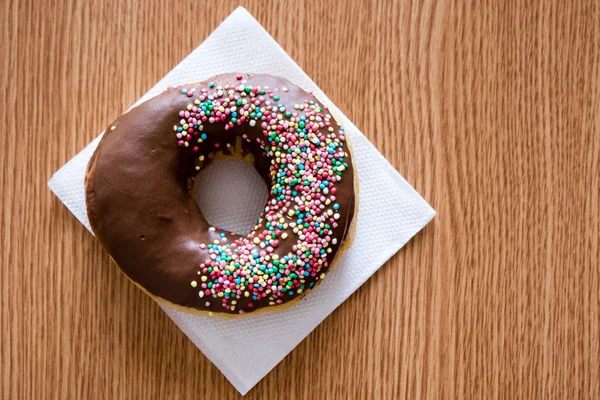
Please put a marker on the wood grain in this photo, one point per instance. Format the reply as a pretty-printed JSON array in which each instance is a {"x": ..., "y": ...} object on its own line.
[{"x": 491, "y": 110}]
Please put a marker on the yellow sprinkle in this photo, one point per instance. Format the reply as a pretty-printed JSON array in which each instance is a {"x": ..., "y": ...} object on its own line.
[
  {"x": 175, "y": 128},
  {"x": 271, "y": 303},
  {"x": 256, "y": 240},
  {"x": 194, "y": 283},
  {"x": 284, "y": 235},
  {"x": 210, "y": 314},
  {"x": 112, "y": 128},
  {"x": 322, "y": 276},
  {"x": 215, "y": 241},
  {"x": 204, "y": 278},
  {"x": 189, "y": 107},
  {"x": 186, "y": 144},
  {"x": 246, "y": 294}
]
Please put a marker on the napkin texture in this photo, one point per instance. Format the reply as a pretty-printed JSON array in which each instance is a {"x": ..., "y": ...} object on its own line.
[{"x": 390, "y": 211}]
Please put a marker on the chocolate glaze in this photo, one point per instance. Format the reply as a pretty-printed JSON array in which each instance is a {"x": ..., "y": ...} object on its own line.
[{"x": 140, "y": 208}]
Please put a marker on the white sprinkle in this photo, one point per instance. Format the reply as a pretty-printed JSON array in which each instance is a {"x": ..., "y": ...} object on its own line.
[
  {"x": 201, "y": 293},
  {"x": 207, "y": 304},
  {"x": 334, "y": 241},
  {"x": 336, "y": 216},
  {"x": 252, "y": 122},
  {"x": 212, "y": 229}
]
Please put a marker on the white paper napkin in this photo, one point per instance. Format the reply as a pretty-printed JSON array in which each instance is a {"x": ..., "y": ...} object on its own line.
[{"x": 390, "y": 212}]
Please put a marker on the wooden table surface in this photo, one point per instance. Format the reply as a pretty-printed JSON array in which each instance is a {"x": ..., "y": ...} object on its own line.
[{"x": 492, "y": 112}]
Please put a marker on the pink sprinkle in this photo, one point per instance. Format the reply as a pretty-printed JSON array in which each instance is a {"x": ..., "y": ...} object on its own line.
[{"x": 239, "y": 77}]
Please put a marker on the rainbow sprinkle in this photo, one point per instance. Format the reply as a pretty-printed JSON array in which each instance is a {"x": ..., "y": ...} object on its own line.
[{"x": 307, "y": 160}]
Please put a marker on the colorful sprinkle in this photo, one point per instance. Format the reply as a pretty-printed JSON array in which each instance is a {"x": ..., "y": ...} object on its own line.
[{"x": 308, "y": 159}]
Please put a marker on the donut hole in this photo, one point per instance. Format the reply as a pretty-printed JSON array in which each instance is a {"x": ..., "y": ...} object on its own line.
[{"x": 231, "y": 194}]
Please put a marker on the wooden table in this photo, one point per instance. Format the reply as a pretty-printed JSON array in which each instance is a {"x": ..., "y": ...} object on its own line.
[{"x": 492, "y": 112}]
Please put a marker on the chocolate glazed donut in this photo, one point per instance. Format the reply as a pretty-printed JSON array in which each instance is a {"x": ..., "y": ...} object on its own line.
[{"x": 139, "y": 181}]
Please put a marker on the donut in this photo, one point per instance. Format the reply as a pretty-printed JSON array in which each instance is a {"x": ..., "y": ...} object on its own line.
[{"x": 141, "y": 207}]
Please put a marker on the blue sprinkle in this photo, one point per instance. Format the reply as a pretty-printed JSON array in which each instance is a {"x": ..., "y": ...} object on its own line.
[
  {"x": 222, "y": 235},
  {"x": 184, "y": 91},
  {"x": 212, "y": 84},
  {"x": 179, "y": 129},
  {"x": 336, "y": 206},
  {"x": 204, "y": 136}
]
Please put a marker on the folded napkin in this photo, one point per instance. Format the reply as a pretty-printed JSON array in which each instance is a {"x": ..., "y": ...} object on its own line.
[{"x": 390, "y": 212}]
